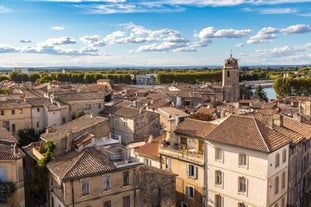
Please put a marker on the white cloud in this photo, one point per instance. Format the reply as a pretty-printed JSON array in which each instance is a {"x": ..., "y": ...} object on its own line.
[
  {"x": 4, "y": 10},
  {"x": 8, "y": 49},
  {"x": 58, "y": 28},
  {"x": 25, "y": 41},
  {"x": 277, "y": 11},
  {"x": 239, "y": 45},
  {"x": 94, "y": 40},
  {"x": 296, "y": 29},
  {"x": 265, "y": 35},
  {"x": 58, "y": 41}
]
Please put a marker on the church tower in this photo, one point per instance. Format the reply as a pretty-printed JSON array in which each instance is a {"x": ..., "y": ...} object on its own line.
[{"x": 230, "y": 80}]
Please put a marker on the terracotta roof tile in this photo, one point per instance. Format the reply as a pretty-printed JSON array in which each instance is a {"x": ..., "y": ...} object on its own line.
[
  {"x": 151, "y": 149},
  {"x": 6, "y": 136},
  {"x": 194, "y": 128},
  {"x": 79, "y": 164},
  {"x": 205, "y": 110},
  {"x": 247, "y": 132},
  {"x": 83, "y": 139},
  {"x": 292, "y": 124},
  {"x": 38, "y": 101},
  {"x": 7, "y": 152}
]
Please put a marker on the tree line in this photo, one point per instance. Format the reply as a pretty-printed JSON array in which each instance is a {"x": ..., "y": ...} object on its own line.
[{"x": 292, "y": 87}]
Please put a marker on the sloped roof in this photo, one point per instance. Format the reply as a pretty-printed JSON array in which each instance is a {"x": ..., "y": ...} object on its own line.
[
  {"x": 75, "y": 126},
  {"x": 79, "y": 96},
  {"x": 6, "y": 136},
  {"x": 151, "y": 149},
  {"x": 292, "y": 124},
  {"x": 194, "y": 128},
  {"x": 40, "y": 101},
  {"x": 247, "y": 132},
  {"x": 7, "y": 152},
  {"x": 13, "y": 104},
  {"x": 173, "y": 112},
  {"x": 79, "y": 164},
  {"x": 205, "y": 110}
]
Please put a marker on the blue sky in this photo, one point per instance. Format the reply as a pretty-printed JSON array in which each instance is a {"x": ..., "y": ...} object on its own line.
[{"x": 114, "y": 33}]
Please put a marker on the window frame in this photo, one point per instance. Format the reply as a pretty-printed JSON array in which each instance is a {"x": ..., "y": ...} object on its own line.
[
  {"x": 243, "y": 160},
  {"x": 106, "y": 182},
  {"x": 242, "y": 186},
  {"x": 85, "y": 187},
  {"x": 125, "y": 178},
  {"x": 218, "y": 178},
  {"x": 192, "y": 171},
  {"x": 277, "y": 160},
  {"x": 190, "y": 192},
  {"x": 125, "y": 202},
  {"x": 219, "y": 154},
  {"x": 276, "y": 185},
  {"x": 105, "y": 203}
]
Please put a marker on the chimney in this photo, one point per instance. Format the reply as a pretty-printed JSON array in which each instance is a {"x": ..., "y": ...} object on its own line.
[
  {"x": 297, "y": 117},
  {"x": 92, "y": 115},
  {"x": 150, "y": 138},
  {"x": 69, "y": 140},
  {"x": 278, "y": 120},
  {"x": 15, "y": 149},
  {"x": 177, "y": 119}
]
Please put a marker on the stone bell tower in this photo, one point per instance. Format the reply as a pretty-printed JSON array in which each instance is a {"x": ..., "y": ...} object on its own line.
[{"x": 230, "y": 80}]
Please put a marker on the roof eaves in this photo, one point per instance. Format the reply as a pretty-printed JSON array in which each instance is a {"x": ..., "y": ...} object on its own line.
[{"x": 263, "y": 139}]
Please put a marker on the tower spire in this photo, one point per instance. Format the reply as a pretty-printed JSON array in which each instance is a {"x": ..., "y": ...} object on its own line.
[{"x": 230, "y": 53}]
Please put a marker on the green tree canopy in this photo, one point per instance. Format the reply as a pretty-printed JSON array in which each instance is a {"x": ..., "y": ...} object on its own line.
[{"x": 260, "y": 93}]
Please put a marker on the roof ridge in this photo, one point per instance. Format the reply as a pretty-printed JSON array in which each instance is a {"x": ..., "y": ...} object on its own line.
[
  {"x": 257, "y": 127},
  {"x": 75, "y": 163}
]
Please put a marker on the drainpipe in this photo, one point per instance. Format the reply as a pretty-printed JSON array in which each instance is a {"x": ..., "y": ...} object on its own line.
[
  {"x": 205, "y": 196},
  {"x": 72, "y": 194}
]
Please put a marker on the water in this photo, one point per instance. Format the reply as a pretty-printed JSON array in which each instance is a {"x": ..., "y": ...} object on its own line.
[{"x": 269, "y": 91}]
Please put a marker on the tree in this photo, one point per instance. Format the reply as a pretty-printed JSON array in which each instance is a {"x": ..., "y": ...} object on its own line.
[
  {"x": 260, "y": 93},
  {"x": 27, "y": 136},
  {"x": 77, "y": 115}
]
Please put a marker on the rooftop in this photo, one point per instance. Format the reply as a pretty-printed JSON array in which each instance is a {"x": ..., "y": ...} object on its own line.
[
  {"x": 194, "y": 128},
  {"x": 151, "y": 149}
]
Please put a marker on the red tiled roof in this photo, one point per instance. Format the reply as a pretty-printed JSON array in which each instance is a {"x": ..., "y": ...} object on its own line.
[
  {"x": 83, "y": 139},
  {"x": 247, "y": 132},
  {"x": 7, "y": 153},
  {"x": 194, "y": 128},
  {"x": 205, "y": 110},
  {"x": 292, "y": 124},
  {"x": 151, "y": 149},
  {"x": 78, "y": 164},
  {"x": 6, "y": 136}
]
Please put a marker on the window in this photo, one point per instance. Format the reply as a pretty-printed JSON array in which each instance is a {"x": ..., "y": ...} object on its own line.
[
  {"x": 6, "y": 124},
  {"x": 21, "y": 111},
  {"x": 126, "y": 178},
  {"x": 242, "y": 159},
  {"x": 107, "y": 204},
  {"x": 147, "y": 161},
  {"x": 13, "y": 112},
  {"x": 183, "y": 204},
  {"x": 99, "y": 106},
  {"x": 283, "y": 202},
  {"x": 218, "y": 154},
  {"x": 190, "y": 192},
  {"x": 168, "y": 163},
  {"x": 85, "y": 187},
  {"x": 38, "y": 124},
  {"x": 284, "y": 154},
  {"x": 218, "y": 201},
  {"x": 242, "y": 184},
  {"x": 218, "y": 177},
  {"x": 13, "y": 128},
  {"x": 241, "y": 205},
  {"x": 126, "y": 201},
  {"x": 277, "y": 160},
  {"x": 192, "y": 171},
  {"x": 276, "y": 185},
  {"x": 38, "y": 109},
  {"x": 2, "y": 113},
  {"x": 64, "y": 120},
  {"x": 155, "y": 197},
  {"x": 228, "y": 72},
  {"x": 106, "y": 182},
  {"x": 125, "y": 121},
  {"x": 283, "y": 179},
  {"x": 117, "y": 120}
]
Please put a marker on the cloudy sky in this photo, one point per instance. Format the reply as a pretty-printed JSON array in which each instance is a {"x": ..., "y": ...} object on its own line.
[{"x": 154, "y": 32}]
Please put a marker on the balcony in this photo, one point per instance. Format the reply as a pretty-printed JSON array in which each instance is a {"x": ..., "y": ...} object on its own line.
[{"x": 182, "y": 153}]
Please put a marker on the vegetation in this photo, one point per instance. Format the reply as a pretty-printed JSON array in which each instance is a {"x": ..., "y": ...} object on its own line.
[
  {"x": 260, "y": 93},
  {"x": 77, "y": 115},
  {"x": 6, "y": 189},
  {"x": 5, "y": 91},
  {"x": 292, "y": 87},
  {"x": 27, "y": 136},
  {"x": 39, "y": 182},
  {"x": 201, "y": 116}
]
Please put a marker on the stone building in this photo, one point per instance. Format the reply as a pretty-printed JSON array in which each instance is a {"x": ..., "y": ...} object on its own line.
[
  {"x": 230, "y": 80},
  {"x": 246, "y": 164},
  {"x": 11, "y": 169}
]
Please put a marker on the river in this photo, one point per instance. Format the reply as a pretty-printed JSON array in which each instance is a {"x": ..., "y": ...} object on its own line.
[{"x": 269, "y": 91}]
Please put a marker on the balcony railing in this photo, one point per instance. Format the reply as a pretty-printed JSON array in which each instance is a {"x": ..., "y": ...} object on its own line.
[{"x": 191, "y": 155}]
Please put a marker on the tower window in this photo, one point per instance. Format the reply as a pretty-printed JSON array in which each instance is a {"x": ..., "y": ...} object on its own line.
[{"x": 228, "y": 73}]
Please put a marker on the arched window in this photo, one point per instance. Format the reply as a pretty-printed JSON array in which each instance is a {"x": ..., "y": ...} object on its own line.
[
  {"x": 284, "y": 154},
  {"x": 277, "y": 160}
]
